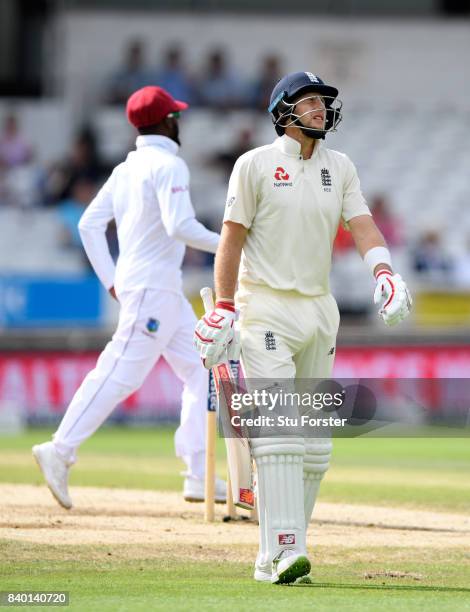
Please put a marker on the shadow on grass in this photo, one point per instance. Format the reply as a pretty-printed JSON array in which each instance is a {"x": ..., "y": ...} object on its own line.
[{"x": 384, "y": 587}]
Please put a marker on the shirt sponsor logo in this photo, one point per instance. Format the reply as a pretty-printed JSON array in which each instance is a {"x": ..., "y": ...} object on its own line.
[
  {"x": 179, "y": 189},
  {"x": 286, "y": 539},
  {"x": 281, "y": 177}
]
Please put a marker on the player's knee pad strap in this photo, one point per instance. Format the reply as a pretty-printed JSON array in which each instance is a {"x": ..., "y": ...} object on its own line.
[
  {"x": 317, "y": 456},
  {"x": 263, "y": 447}
]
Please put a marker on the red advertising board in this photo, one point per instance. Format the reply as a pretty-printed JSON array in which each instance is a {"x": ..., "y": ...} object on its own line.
[{"x": 44, "y": 383}]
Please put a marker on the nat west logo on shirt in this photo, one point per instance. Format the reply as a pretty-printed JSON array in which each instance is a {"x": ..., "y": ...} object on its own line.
[
  {"x": 286, "y": 538},
  {"x": 281, "y": 177}
]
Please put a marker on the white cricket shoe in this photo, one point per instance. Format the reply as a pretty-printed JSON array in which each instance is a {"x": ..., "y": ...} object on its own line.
[
  {"x": 262, "y": 570},
  {"x": 289, "y": 565},
  {"x": 55, "y": 470},
  {"x": 193, "y": 490},
  {"x": 262, "y": 574}
]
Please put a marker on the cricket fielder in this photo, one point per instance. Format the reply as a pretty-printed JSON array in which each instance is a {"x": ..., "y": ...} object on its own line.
[
  {"x": 148, "y": 196},
  {"x": 285, "y": 202}
]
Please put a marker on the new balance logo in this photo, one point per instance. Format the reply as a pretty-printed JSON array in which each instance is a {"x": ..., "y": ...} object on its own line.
[
  {"x": 270, "y": 341},
  {"x": 286, "y": 539},
  {"x": 247, "y": 496}
]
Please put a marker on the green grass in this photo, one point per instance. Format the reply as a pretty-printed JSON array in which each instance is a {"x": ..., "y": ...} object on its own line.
[
  {"x": 96, "y": 581},
  {"x": 423, "y": 473}
]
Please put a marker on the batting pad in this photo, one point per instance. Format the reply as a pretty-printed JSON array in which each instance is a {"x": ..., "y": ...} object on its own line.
[
  {"x": 279, "y": 463},
  {"x": 316, "y": 462}
]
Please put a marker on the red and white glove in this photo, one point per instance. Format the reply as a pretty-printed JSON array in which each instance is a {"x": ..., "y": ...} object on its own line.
[
  {"x": 215, "y": 337},
  {"x": 397, "y": 299}
]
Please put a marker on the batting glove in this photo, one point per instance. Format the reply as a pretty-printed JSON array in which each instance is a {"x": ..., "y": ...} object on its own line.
[
  {"x": 392, "y": 289},
  {"x": 215, "y": 335}
]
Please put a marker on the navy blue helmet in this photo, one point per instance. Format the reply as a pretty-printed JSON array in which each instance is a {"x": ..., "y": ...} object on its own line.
[{"x": 289, "y": 88}]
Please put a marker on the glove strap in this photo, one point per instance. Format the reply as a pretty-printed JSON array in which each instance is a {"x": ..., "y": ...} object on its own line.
[
  {"x": 225, "y": 305},
  {"x": 383, "y": 272}
]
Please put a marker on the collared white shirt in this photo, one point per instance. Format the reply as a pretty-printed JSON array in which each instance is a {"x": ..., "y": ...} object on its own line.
[
  {"x": 292, "y": 208},
  {"x": 148, "y": 196}
]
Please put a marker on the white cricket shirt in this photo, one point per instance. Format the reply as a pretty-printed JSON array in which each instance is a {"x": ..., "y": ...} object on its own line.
[
  {"x": 148, "y": 196},
  {"x": 292, "y": 208}
]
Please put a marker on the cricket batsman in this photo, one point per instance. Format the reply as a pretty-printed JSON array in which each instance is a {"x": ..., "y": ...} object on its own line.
[
  {"x": 148, "y": 196},
  {"x": 284, "y": 204}
]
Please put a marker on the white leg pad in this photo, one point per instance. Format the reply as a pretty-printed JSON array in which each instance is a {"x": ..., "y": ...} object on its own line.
[
  {"x": 279, "y": 463},
  {"x": 316, "y": 462}
]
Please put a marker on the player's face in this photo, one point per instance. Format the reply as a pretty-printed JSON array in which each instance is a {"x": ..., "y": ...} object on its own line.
[{"x": 311, "y": 111}]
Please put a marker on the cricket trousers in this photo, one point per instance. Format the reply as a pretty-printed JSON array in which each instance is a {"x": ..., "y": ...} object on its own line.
[
  {"x": 152, "y": 323},
  {"x": 286, "y": 336}
]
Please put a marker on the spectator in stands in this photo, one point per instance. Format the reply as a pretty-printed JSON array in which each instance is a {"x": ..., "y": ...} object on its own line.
[
  {"x": 430, "y": 259},
  {"x": 15, "y": 150},
  {"x": 226, "y": 158},
  {"x": 131, "y": 76},
  {"x": 83, "y": 160},
  {"x": 219, "y": 86},
  {"x": 387, "y": 223},
  {"x": 173, "y": 75},
  {"x": 24, "y": 185},
  {"x": 462, "y": 268},
  {"x": 271, "y": 72}
]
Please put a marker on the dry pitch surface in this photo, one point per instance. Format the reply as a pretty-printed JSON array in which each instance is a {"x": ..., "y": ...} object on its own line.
[{"x": 162, "y": 523}]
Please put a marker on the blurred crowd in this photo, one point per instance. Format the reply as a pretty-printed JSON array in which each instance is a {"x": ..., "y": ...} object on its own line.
[{"x": 216, "y": 85}]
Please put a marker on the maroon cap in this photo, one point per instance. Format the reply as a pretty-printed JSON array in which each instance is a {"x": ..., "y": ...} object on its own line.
[{"x": 150, "y": 105}]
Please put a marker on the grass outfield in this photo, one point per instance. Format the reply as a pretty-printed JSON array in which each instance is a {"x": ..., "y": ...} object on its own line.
[
  {"x": 432, "y": 473},
  {"x": 210, "y": 571}
]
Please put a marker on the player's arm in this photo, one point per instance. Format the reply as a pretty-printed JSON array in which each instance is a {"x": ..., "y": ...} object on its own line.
[
  {"x": 214, "y": 335},
  {"x": 367, "y": 236},
  {"x": 227, "y": 260},
  {"x": 92, "y": 228},
  {"x": 178, "y": 216}
]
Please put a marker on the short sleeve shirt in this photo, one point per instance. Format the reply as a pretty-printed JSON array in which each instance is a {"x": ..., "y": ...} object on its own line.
[{"x": 292, "y": 208}]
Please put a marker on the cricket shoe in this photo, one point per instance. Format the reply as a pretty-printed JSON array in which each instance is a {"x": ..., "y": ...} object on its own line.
[
  {"x": 262, "y": 572},
  {"x": 193, "y": 490},
  {"x": 289, "y": 565},
  {"x": 55, "y": 470}
]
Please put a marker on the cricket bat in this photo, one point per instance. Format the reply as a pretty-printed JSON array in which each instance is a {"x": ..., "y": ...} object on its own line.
[{"x": 239, "y": 457}]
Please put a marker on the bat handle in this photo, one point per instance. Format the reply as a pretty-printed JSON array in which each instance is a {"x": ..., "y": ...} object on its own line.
[{"x": 207, "y": 299}]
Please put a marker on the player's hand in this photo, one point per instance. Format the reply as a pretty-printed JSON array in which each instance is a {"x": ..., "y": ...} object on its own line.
[
  {"x": 214, "y": 334},
  {"x": 112, "y": 292},
  {"x": 397, "y": 302}
]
